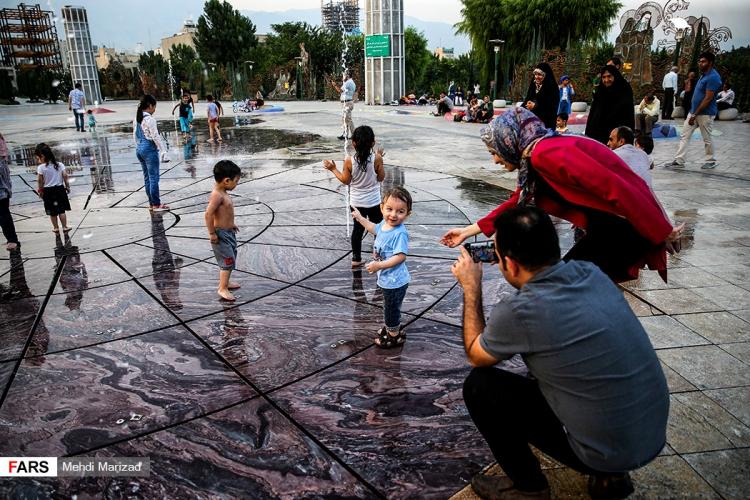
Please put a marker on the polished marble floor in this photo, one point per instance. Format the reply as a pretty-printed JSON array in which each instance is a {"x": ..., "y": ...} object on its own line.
[{"x": 116, "y": 344}]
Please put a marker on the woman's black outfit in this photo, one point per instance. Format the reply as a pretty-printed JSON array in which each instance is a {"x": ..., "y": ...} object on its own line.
[
  {"x": 546, "y": 98},
  {"x": 612, "y": 107}
]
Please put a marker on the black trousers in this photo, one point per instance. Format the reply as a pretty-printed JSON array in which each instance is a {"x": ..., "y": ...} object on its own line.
[
  {"x": 610, "y": 242},
  {"x": 443, "y": 108},
  {"x": 6, "y": 222},
  {"x": 510, "y": 412},
  {"x": 374, "y": 215},
  {"x": 666, "y": 111}
]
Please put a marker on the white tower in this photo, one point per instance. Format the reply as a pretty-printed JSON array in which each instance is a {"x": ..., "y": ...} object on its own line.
[
  {"x": 81, "y": 56},
  {"x": 385, "y": 72}
]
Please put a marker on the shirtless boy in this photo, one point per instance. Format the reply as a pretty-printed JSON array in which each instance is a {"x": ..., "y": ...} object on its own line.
[{"x": 220, "y": 224}]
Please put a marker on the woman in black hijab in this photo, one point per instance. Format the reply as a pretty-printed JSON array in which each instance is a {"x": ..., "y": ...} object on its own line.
[
  {"x": 543, "y": 95},
  {"x": 612, "y": 106}
]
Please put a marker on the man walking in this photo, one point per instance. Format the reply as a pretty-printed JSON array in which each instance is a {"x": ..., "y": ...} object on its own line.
[
  {"x": 77, "y": 104},
  {"x": 702, "y": 111},
  {"x": 347, "y": 90},
  {"x": 597, "y": 399},
  {"x": 669, "y": 84}
]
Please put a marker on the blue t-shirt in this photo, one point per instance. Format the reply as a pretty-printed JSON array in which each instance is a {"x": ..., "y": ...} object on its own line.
[
  {"x": 709, "y": 81},
  {"x": 387, "y": 244}
]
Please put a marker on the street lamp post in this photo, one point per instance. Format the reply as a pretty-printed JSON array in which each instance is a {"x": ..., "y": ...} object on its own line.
[
  {"x": 681, "y": 26},
  {"x": 246, "y": 87},
  {"x": 497, "y": 43},
  {"x": 299, "y": 78}
]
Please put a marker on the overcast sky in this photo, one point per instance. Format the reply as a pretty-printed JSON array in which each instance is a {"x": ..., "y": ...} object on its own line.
[{"x": 123, "y": 23}]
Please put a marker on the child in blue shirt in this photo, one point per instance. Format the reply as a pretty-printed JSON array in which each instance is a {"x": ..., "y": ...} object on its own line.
[{"x": 390, "y": 250}]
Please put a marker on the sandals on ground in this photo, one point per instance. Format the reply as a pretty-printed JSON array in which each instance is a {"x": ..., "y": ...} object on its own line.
[{"x": 387, "y": 341}]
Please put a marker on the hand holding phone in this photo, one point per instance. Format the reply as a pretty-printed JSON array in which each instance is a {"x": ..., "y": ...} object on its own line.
[{"x": 482, "y": 251}]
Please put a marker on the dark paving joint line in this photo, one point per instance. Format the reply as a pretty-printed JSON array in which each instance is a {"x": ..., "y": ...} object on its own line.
[
  {"x": 252, "y": 385},
  {"x": 37, "y": 319}
]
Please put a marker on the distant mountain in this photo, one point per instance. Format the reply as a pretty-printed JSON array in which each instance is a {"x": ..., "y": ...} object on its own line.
[{"x": 437, "y": 34}]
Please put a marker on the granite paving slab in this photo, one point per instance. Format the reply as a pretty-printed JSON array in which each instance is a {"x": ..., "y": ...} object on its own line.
[
  {"x": 397, "y": 417},
  {"x": 113, "y": 391}
]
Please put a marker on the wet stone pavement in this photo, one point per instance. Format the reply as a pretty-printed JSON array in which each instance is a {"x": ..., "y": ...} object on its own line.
[{"x": 114, "y": 342}]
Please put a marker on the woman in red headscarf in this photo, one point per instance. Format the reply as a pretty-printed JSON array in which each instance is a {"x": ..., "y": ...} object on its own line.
[{"x": 582, "y": 181}]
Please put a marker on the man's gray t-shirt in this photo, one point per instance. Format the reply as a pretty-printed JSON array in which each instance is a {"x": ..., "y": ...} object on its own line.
[{"x": 594, "y": 363}]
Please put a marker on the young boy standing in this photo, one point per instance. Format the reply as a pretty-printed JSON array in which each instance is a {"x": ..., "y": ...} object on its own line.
[
  {"x": 212, "y": 111},
  {"x": 390, "y": 249},
  {"x": 220, "y": 224}
]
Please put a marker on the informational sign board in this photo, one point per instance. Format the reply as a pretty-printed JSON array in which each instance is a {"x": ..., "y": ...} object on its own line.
[{"x": 377, "y": 46}]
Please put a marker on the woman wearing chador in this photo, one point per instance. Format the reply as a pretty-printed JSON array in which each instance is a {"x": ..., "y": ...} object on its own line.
[
  {"x": 612, "y": 106},
  {"x": 543, "y": 95},
  {"x": 581, "y": 181}
]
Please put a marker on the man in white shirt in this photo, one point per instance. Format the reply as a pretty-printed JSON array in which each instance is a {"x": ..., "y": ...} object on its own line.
[
  {"x": 347, "y": 91},
  {"x": 77, "y": 104},
  {"x": 648, "y": 114},
  {"x": 669, "y": 84},
  {"x": 621, "y": 142},
  {"x": 726, "y": 98}
]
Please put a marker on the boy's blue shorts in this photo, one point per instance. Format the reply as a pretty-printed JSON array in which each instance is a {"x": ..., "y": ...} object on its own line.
[{"x": 185, "y": 124}]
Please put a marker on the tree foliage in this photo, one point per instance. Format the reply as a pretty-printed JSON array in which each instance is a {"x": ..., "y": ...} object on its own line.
[
  {"x": 153, "y": 73},
  {"x": 417, "y": 58},
  {"x": 186, "y": 68},
  {"x": 531, "y": 26},
  {"x": 224, "y": 35}
]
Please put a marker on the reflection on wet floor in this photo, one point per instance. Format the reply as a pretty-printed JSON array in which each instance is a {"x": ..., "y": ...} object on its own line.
[{"x": 121, "y": 317}]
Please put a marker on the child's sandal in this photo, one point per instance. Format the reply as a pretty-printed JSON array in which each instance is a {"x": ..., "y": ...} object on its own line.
[{"x": 387, "y": 341}]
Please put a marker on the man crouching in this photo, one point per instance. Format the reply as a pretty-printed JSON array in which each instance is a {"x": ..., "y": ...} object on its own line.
[{"x": 596, "y": 399}]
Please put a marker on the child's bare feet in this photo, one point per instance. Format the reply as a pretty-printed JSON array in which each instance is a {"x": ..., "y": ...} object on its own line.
[
  {"x": 66, "y": 229},
  {"x": 226, "y": 295},
  {"x": 234, "y": 286},
  {"x": 56, "y": 230}
]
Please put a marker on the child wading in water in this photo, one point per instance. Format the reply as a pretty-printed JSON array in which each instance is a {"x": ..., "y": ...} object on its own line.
[
  {"x": 221, "y": 226},
  {"x": 363, "y": 174},
  {"x": 92, "y": 121},
  {"x": 212, "y": 111},
  {"x": 52, "y": 179},
  {"x": 390, "y": 250},
  {"x": 186, "y": 115}
]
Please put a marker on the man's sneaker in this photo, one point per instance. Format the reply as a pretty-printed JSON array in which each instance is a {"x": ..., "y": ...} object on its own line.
[
  {"x": 676, "y": 164},
  {"x": 159, "y": 208},
  {"x": 708, "y": 165},
  {"x": 610, "y": 487}
]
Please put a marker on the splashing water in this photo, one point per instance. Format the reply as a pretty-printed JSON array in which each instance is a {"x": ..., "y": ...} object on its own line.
[{"x": 347, "y": 142}]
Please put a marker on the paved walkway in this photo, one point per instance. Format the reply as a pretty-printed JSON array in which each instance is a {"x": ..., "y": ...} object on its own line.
[{"x": 115, "y": 344}]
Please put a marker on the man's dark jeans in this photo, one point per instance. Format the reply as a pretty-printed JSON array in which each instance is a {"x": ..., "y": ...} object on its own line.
[
  {"x": 79, "y": 120},
  {"x": 511, "y": 413}
]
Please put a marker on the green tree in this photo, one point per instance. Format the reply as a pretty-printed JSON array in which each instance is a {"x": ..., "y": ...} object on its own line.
[
  {"x": 531, "y": 26},
  {"x": 417, "y": 58},
  {"x": 224, "y": 35},
  {"x": 186, "y": 68},
  {"x": 153, "y": 73}
]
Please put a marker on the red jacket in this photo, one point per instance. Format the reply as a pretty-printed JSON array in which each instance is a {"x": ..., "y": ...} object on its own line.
[{"x": 586, "y": 173}]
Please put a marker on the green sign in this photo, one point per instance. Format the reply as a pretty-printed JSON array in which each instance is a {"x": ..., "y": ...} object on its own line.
[{"x": 378, "y": 46}]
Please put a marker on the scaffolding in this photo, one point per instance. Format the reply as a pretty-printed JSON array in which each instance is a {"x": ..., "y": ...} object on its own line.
[
  {"x": 340, "y": 15},
  {"x": 28, "y": 38}
]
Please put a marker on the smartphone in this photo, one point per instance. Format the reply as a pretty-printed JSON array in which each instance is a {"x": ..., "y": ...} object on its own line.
[{"x": 482, "y": 251}]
